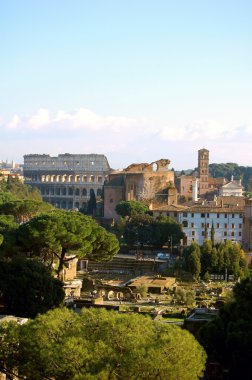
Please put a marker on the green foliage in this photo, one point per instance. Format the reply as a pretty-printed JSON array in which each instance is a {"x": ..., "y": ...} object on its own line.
[
  {"x": 229, "y": 169},
  {"x": 225, "y": 258},
  {"x": 100, "y": 344},
  {"x": 14, "y": 189},
  {"x": 146, "y": 230},
  {"x": 91, "y": 206},
  {"x": 185, "y": 297},
  {"x": 131, "y": 208},
  {"x": 228, "y": 338},
  {"x": 23, "y": 210},
  {"x": 28, "y": 288},
  {"x": 53, "y": 236}
]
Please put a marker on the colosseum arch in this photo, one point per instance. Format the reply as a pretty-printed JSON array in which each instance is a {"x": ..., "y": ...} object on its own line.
[
  {"x": 84, "y": 192},
  {"x": 77, "y": 192}
]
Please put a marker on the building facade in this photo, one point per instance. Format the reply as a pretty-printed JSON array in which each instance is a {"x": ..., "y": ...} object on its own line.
[
  {"x": 247, "y": 230},
  {"x": 67, "y": 180},
  {"x": 225, "y": 214},
  {"x": 138, "y": 182}
]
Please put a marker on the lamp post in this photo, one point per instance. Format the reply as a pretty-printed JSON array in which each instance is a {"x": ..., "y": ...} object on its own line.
[{"x": 170, "y": 241}]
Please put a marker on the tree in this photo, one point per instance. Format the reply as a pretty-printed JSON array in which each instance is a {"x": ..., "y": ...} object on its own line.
[
  {"x": 14, "y": 189},
  {"x": 194, "y": 265},
  {"x": 28, "y": 288},
  {"x": 212, "y": 234},
  {"x": 131, "y": 208},
  {"x": 100, "y": 344},
  {"x": 23, "y": 210},
  {"x": 228, "y": 338},
  {"x": 147, "y": 230},
  {"x": 192, "y": 259},
  {"x": 54, "y": 236},
  {"x": 206, "y": 251},
  {"x": 91, "y": 206}
]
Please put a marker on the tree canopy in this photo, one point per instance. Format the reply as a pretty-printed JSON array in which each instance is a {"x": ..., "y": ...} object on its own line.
[
  {"x": 99, "y": 344},
  {"x": 146, "y": 230},
  {"x": 228, "y": 338},
  {"x": 13, "y": 189},
  {"x": 25, "y": 209},
  {"x": 131, "y": 208},
  {"x": 224, "y": 258},
  {"x": 54, "y": 236},
  {"x": 28, "y": 288}
]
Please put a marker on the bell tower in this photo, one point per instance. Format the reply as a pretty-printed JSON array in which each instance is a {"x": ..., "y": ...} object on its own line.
[{"x": 203, "y": 170}]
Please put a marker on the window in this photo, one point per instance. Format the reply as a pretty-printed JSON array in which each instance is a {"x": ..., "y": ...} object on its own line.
[
  {"x": 193, "y": 233},
  {"x": 240, "y": 225},
  {"x": 218, "y": 215},
  {"x": 202, "y": 225},
  {"x": 77, "y": 192},
  {"x": 233, "y": 226},
  {"x": 225, "y": 225},
  {"x": 225, "y": 233},
  {"x": 232, "y": 233},
  {"x": 167, "y": 214},
  {"x": 233, "y": 215},
  {"x": 240, "y": 234},
  {"x": 225, "y": 215},
  {"x": 218, "y": 225},
  {"x": 185, "y": 223},
  {"x": 203, "y": 233},
  {"x": 192, "y": 225},
  {"x": 192, "y": 214},
  {"x": 240, "y": 215},
  {"x": 202, "y": 215},
  {"x": 208, "y": 225},
  {"x": 185, "y": 214},
  {"x": 84, "y": 192},
  {"x": 207, "y": 215}
]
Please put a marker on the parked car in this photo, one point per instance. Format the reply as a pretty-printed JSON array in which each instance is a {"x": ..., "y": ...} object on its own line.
[{"x": 162, "y": 256}]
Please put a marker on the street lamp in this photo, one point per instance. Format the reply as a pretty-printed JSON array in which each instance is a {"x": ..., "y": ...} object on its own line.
[{"x": 170, "y": 241}]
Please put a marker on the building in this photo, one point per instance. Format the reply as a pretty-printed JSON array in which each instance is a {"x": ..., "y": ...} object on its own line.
[
  {"x": 232, "y": 188},
  {"x": 67, "y": 180},
  {"x": 225, "y": 214},
  {"x": 139, "y": 182},
  {"x": 200, "y": 180},
  {"x": 203, "y": 170},
  {"x": 247, "y": 229}
]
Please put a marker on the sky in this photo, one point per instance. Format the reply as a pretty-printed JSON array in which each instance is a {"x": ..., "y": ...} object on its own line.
[{"x": 136, "y": 80}]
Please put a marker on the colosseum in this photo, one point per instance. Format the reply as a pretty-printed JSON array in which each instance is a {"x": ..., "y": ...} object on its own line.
[{"x": 67, "y": 180}]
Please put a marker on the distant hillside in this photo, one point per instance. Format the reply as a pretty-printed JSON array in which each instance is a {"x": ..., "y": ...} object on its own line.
[{"x": 229, "y": 169}]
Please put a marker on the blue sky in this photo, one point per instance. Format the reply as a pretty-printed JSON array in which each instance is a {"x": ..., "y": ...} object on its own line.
[{"x": 135, "y": 80}]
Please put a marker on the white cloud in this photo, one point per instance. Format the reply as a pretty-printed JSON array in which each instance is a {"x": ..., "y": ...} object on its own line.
[
  {"x": 125, "y": 139},
  {"x": 204, "y": 130},
  {"x": 14, "y": 123},
  {"x": 39, "y": 120}
]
